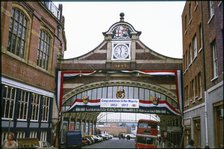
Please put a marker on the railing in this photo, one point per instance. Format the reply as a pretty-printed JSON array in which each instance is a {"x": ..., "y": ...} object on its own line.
[{"x": 51, "y": 6}]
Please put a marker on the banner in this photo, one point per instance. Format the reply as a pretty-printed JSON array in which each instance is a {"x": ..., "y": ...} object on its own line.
[{"x": 119, "y": 103}]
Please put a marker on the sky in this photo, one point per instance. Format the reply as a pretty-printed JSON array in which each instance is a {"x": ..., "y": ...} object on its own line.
[{"x": 159, "y": 22}]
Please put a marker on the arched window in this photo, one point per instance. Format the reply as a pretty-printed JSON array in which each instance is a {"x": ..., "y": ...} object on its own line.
[
  {"x": 17, "y": 33},
  {"x": 43, "y": 50}
]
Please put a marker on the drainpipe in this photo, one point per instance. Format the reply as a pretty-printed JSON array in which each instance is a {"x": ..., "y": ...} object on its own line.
[
  {"x": 206, "y": 120},
  {"x": 204, "y": 73}
]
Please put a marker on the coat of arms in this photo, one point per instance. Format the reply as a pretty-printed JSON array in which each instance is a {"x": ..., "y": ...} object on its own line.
[
  {"x": 85, "y": 99},
  {"x": 121, "y": 32},
  {"x": 155, "y": 100},
  {"x": 120, "y": 93}
]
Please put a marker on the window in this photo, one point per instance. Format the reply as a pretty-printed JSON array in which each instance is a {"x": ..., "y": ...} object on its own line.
[
  {"x": 186, "y": 100},
  {"x": 4, "y": 136},
  {"x": 201, "y": 37},
  {"x": 45, "y": 108},
  {"x": 23, "y": 104},
  {"x": 17, "y": 33},
  {"x": 193, "y": 90},
  {"x": 33, "y": 134},
  {"x": 43, "y": 50},
  {"x": 196, "y": 87},
  {"x": 35, "y": 106},
  {"x": 187, "y": 60},
  {"x": 199, "y": 85},
  {"x": 20, "y": 134},
  {"x": 211, "y": 9},
  {"x": 191, "y": 54},
  {"x": 195, "y": 4},
  {"x": 43, "y": 136},
  {"x": 8, "y": 103},
  {"x": 195, "y": 46},
  {"x": 214, "y": 60}
]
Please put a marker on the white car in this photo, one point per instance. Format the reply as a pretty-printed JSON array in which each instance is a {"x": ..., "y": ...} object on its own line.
[{"x": 130, "y": 135}]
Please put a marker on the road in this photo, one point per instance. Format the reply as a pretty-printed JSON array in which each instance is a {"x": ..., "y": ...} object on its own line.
[{"x": 113, "y": 143}]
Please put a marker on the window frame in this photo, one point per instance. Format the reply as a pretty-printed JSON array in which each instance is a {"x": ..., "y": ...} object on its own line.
[
  {"x": 17, "y": 37},
  {"x": 186, "y": 90},
  {"x": 211, "y": 10},
  {"x": 45, "y": 108},
  {"x": 195, "y": 46},
  {"x": 201, "y": 38},
  {"x": 190, "y": 54},
  {"x": 23, "y": 105},
  {"x": 20, "y": 134},
  {"x": 44, "y": 49},
  {"x": 35, "y": 107},
  {"x": 199, "y": 86},
  {"x": 11, "y": 100},
  {"x": 214, "y": 60}
]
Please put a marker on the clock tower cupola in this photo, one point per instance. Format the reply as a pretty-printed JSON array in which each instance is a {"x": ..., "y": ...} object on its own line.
[{"x": 121, "y": 36}]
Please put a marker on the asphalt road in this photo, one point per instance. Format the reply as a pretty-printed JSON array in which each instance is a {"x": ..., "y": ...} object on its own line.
[{"x": 113, "y": 143}]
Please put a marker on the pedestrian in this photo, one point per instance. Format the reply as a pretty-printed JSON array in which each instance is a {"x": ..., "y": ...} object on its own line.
[
  {"x": 10, "y": 142},
  {"x": 190, "y": 144}
]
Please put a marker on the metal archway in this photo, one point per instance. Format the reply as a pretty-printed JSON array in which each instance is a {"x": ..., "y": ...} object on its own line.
[{"x": 87, "y": 97}]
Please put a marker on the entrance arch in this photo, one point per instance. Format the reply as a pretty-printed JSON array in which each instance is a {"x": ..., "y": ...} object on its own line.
[
  {"x": 120, "y": 68},
  {"x": 152, "y": 98}
]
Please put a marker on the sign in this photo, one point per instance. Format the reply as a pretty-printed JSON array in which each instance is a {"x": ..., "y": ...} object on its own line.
[
  {"x": 119, "y": 103},
  {"x": 187, "y": 122},
  {"x": 173, "y": 129}
]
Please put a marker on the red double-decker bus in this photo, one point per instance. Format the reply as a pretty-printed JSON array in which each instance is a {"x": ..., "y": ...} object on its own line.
[{"x": 147, "y": 133}]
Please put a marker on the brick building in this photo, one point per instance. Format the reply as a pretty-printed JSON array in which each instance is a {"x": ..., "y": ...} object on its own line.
[
  {"x": 33, "y": 38},
  {"x": 202, "y": 29}
]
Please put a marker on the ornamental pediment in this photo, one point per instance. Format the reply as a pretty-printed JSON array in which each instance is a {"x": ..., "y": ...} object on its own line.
[{"x": 121, "y": 30}]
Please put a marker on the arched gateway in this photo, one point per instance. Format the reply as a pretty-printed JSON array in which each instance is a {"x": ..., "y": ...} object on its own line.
[{"x": 120, "y": 75}]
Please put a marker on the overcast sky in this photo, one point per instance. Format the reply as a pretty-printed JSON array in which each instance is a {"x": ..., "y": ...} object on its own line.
[{"x": 159, "y": 22}]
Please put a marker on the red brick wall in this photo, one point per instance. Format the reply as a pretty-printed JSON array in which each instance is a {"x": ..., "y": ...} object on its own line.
[{"x": 26, "y": 70}]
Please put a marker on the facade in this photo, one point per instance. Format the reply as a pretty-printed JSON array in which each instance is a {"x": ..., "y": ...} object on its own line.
[
  {"x": 33, "y": 39},
  {"x": 120, "y": 69},
  {"x": 202, "y": 29}
]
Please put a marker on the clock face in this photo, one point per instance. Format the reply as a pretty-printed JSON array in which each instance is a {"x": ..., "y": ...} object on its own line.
[{"x": 121, "y": 52}]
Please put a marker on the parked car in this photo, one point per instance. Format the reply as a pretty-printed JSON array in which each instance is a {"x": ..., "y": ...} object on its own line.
[
  {"x": 97, "y": 139},
  {"x": 104, "y": 136},
  {"x": 88, "y": 140},
  {"x": 85, "y": 141},
  {"x": 109, "y": 136}
]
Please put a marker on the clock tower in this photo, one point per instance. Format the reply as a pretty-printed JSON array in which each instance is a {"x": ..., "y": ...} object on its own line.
[{"x": 122, "y": 36}]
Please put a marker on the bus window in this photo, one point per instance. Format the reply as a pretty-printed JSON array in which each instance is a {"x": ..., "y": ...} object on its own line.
[{"x": 143, "y": 125}]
